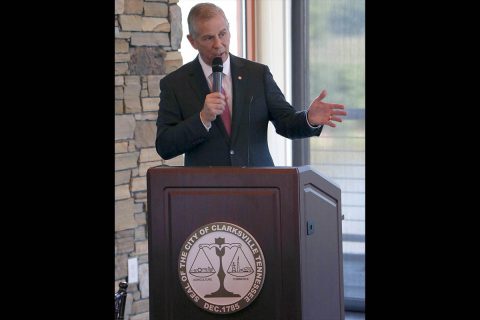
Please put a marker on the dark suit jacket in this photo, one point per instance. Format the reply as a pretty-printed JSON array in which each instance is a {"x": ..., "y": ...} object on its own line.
[{"x": 256, "y": 100}]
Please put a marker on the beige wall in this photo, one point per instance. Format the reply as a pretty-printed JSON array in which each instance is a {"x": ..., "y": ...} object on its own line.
[{"x": 273, "y": 48}]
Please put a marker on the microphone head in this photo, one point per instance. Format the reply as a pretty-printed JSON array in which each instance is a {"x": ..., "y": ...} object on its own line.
[{"x": 217, "y": 64}]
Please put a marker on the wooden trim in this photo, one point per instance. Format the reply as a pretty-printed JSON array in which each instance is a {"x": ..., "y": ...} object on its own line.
[{"x": 250, "y": 29}]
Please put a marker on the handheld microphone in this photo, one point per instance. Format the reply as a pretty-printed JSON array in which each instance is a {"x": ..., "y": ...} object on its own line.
[{"x": 217, "y": 69}]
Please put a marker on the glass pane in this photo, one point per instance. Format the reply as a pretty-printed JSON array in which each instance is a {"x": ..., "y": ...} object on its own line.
[{"x": 337, "y": 64}]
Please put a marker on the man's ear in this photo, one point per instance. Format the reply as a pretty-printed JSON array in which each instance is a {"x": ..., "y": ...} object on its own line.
[{"x": 192, "y": 41}]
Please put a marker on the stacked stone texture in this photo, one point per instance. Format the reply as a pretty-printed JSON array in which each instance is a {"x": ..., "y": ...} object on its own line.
[{"x": 147, "y": 38}]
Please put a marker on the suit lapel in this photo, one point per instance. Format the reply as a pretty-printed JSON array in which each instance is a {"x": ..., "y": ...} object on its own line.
[
  {"x": 238, "y": 86},
  {"x": 197, "y": 81}
]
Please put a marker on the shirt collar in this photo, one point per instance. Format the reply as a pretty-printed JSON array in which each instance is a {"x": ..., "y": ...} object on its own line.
[{"x": 207, "y": 70}]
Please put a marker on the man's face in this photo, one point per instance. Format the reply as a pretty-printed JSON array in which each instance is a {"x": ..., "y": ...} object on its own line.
[{"x": 212, "y": 39}]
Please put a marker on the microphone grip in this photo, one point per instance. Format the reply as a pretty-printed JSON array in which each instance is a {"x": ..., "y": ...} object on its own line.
[{"x": 217, "y": 82}]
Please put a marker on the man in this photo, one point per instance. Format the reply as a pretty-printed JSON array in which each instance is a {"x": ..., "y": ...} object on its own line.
[{"x": 190, "y": 115}]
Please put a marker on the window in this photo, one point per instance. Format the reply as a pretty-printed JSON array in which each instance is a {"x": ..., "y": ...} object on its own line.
[
  {"x": 331, "y": 47},
  {"x": 337, "y": 63}
]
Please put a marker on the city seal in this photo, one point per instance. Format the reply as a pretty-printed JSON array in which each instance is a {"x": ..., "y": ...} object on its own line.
[{"x": 221, "y": 267}]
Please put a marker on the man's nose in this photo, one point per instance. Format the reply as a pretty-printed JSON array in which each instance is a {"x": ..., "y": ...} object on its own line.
[{"x": 217, "y": 42}]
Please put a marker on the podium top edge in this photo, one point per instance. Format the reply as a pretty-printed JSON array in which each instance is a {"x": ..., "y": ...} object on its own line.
[
  {"x": 221, "y": 169},
  {"x": 237, "y": 170},
  {"x": 202, "y": 168}
]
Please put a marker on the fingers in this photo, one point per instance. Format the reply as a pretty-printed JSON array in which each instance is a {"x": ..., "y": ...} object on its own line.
[
  {"x": 326, "y": 113},
  {"x": 336, "y": 106},
  {"x": 214, "y": 105},
  {"x": 333, "y": 118},
  {"x": 335, "y": 115},
  {"x": 322, "y": 95},
  {"x": 318, "y": 102},
  {"x": 215, "y": 96},
  {"x": 215, "y": 99},
  {"x": 331, "y": 122},
  {"x": 338, "y": 112}
]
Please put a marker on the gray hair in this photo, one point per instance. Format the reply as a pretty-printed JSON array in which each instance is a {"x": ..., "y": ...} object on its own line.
[{"x": 203, "y": 11}]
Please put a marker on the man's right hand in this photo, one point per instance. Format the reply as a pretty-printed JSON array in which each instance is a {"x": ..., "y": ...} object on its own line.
[{"x": 214, "y": 105}]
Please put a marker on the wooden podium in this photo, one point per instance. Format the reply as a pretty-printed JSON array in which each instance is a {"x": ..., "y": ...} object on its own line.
[{"x": 294, "y": 214}]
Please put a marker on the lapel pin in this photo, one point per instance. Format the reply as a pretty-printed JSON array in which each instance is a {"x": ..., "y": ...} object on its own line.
[{"x": 239, "y": 78}]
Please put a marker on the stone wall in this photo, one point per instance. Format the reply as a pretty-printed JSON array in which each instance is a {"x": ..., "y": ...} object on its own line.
[{"x": 147, "y": 38}]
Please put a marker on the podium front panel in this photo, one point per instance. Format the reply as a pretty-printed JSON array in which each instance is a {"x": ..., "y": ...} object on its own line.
[{"x": 263, "y": 202}]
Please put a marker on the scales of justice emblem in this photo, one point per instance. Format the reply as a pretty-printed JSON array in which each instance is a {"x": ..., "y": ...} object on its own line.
[{"x": 221, "y": 267}]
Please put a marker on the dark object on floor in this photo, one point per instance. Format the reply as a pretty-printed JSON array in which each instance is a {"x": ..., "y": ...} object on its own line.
[{"x": 120, "y": 298}]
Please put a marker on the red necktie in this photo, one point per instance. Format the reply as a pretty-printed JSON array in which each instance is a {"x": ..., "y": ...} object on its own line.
[{"x": 226, "y": 117}]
